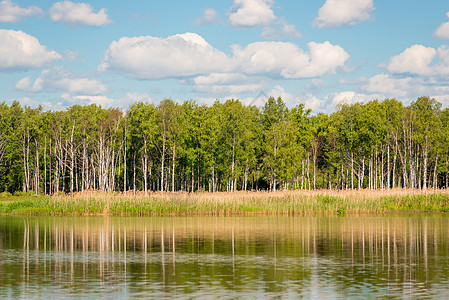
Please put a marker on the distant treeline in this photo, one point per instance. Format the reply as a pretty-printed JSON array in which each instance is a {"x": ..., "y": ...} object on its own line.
[{"x": 224, "y": 147}]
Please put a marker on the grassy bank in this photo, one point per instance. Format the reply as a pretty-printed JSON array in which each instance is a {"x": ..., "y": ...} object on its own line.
[{"x": 238, "y": 203}]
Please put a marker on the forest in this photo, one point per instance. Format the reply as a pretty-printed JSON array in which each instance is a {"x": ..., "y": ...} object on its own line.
[{"x": 224, "y": 147}]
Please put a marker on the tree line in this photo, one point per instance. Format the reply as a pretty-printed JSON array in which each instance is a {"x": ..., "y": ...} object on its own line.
[{"x": 224, "y": 147}]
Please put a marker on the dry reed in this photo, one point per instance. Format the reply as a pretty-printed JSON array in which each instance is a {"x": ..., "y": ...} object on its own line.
[{"x": 236, "y": 203}]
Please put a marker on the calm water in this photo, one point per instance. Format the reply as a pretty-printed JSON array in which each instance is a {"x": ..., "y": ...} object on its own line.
[{"x": 225, "y": 257}]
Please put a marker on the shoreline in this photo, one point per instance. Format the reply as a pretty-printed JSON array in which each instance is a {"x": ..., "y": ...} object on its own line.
[{"x": 317, "y": 202}]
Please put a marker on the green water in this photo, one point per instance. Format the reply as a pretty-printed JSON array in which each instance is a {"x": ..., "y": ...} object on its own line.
[{"x": 395, "y": 256}]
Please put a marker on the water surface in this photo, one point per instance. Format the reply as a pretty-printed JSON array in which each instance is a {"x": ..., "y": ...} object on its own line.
[{"x": 225, "y": 257}]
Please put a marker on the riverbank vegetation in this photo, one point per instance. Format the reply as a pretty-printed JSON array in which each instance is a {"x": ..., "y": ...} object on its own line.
[
  {"x": 187, "y": 147},
  {"x": 222, "y": 203}
]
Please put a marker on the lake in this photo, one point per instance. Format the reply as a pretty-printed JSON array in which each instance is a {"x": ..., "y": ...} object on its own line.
[{"x": 394, "y": 256}]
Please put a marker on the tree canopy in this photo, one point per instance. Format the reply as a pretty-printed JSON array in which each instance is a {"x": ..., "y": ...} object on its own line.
[{"x": 224, "y": 147}]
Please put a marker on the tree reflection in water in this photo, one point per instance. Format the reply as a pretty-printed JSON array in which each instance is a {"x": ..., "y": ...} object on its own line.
[{"x": 331, "y": 256}]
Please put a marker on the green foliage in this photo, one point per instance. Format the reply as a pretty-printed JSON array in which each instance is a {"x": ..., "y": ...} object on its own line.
[{"x": 226, "y": 146}]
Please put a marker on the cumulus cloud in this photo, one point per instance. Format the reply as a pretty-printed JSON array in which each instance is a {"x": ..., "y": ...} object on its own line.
[
  {"x": 442, "y": 31},
  {"x": 209, "y": 16},
  {"x": 388, "y": 85},
  {"x": 417, "y": 71},
  {"x": 78, "y": 14},
  {"x": 148, "y": 57},
  {"x": 19, "y": 50},
  {"x": 60, "y": 79},
  {"x": 255, "y": 13},
  {"x": 336, "y": 13},
  {"x": 12, "y": 13},
  {"x": 189, "y": 55},
  {"x": 421, "y": 60},
  {"x": 287, "y": 60},
  {"x": 251, "y": 13},
  {"x": 415, "y": 60}
]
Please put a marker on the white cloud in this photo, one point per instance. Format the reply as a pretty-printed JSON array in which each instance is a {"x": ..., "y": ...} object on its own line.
[
  {"x": 54, "y": 104},
  {"x": 24, "y": 83},
  {"x": 442, "y": 68},
  {"x": 19, "y": 50},
  {"x": 314, "y": 103},
  {"x": 388, "y": 85},
  {"x": 443, "y": 55},
  {"x": 325, "y": 58},
  {"x": 78, "y": 14},
  {"x": 289, "y": 99},
  {"x": 416, "y": 59},
  {"x": 329, "y": 102},
  {"x": 420, "y": 60},
  {"x": 189, "y": 55},
  {"x": 101, "y": 100},
  {"x": 254, "y": 13},
  {"x": 442, "y": 31},
  {"x": 443, "y": 99},
  {"x": 229, "y": 88},
  {"x": 258, "y": 101},
  {"x": 332, "y": 100},
  {"x": 60, "y": 79},
  {"x": 209, "y": 16},
  {"x": 25, "y": 101},
  {"x": 280, "y": 29},
  {"x": 105, "y": 101},
  {"x": 326, "y": 104},
  {"x": 132, "y": 97},
  {"x": 227, "y": 83},
  {"x": 261, "y": 99},
  {"x": 147, "y": 57},
  {"x": 288, "y": 60},
  {"x": 12, "y": 13},
  {"x": 251, "y": 13},
  {"x": 406, "y": 87},
  {"x": 346, "y": 97},
  {"x": 336, "y": 13},
  {"x": 220, "y": 78}
]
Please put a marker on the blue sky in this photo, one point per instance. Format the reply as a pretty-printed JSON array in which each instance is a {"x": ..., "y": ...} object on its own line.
[{"x": 319, "y": 53}]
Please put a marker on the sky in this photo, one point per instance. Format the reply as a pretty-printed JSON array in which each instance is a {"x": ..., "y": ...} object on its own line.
[{"x": 316, "y": 52}]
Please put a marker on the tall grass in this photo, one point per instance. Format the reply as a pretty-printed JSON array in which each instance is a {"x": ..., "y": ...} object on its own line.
[{"x": 237, "y": 203}]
